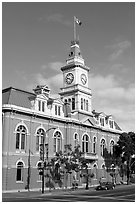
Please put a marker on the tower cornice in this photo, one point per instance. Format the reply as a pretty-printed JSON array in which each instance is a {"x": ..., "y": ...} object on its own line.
[{"x": 73, "y": 65}]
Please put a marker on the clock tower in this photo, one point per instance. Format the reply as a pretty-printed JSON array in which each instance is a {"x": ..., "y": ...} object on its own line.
[{"x": 75, "y": 89}]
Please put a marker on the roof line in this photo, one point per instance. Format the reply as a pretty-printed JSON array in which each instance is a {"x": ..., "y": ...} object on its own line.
[{"x": 9, "y": 88}]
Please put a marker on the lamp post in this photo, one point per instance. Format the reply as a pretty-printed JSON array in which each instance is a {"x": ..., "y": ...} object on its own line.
[
  {"x": 113, "y": 173},
  {"x": 43, "y": 145}
]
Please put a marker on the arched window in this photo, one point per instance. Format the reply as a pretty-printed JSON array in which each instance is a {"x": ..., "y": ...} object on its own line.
[
  {"x": 57, "y": 141},
  {"x": 19, "y": 174},
  {"x": 102, "y": 147},
  {"x": 94, "y": 144},
  {"x": 85, "y": 142},
  {"x": 76, "y": 139},
  {"x": 39, "y": 136},
  {"x": 111, "y": 146},
  {"x": 21, "y": 137},
  {"x": 81, "y": 103}
]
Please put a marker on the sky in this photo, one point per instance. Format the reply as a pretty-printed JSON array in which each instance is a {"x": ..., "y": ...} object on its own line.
[{"x": 36, "y": 40}]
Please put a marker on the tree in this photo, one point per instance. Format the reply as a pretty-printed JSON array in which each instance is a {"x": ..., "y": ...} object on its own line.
[
  {"x": 71, "y": 161},
  {"x": 126, "y": 146},
  {"x": 122, "y": 155}
]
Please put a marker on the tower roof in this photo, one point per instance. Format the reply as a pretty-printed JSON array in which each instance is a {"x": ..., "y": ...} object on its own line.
[{"x": 75, "y": 53}]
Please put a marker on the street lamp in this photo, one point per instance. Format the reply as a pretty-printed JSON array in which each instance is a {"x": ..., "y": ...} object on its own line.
[
  {"x": 113, "y": 173},
  {"x": 43, "y": 147}
]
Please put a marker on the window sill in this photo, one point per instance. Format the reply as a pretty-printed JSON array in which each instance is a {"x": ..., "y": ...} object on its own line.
[
  {"x": 20, "y": 152},
  {"x": 39, "y": 181},
  {"x": 19, "y": 182}
]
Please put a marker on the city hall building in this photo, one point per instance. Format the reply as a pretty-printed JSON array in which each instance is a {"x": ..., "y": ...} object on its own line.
[{"x": 68, "y": 119}]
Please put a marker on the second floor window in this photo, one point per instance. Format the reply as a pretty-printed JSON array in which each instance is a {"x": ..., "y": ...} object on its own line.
[
  {"x": 57, "y": 141},
  {"x": 20, "y": 137},
  {"x": 39, "y": 137},
  {"x": 85, "y": 143},
  {"x": 102, "y": 147}
]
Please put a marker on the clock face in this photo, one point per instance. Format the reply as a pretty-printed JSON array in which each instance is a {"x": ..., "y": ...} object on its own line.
[
  {"x": 69, "y": 78},
  {"x": 83, "y": 79}
]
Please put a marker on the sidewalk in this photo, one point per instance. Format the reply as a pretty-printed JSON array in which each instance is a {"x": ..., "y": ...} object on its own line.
[{"x": 32, "y": 193}]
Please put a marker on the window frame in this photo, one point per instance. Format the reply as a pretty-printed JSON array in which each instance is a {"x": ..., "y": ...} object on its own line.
[
  {"x": 39, "y": 138},
  {"x": 20, "y": 171},
  {"x": 21, "y": 136},
  {"x": 57, "y": 141},
  {"x": 85, "y": 143}
]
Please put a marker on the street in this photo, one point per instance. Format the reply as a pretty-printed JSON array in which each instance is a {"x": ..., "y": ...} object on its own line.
[{"x": 119, "y": 194}]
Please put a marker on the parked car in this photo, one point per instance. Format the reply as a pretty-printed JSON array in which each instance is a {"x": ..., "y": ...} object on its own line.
[{"x": 105, "y": 186}]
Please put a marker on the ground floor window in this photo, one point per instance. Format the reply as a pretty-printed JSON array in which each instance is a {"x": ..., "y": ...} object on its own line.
[{"x": 19, "y": 175}]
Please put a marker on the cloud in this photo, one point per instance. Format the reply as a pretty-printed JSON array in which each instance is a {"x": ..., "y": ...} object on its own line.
[
  {"x": 111, "y": 97},
  {"x": 54, "y": 82},
  {"x": 53, "y": 65},
  {"x": 57, "y": 17},
  {"x": 118, "y": 49}
]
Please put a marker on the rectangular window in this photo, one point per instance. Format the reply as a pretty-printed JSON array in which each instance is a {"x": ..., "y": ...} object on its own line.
[
  {"x": 102, "y": 121},
  {"x": 43, "y": 106},
  {"x": 56, "y": 110},
  {"x": 73, "y": 103},
  {"x": 81, "y": 103},
  {"x": 111, "y": 124},
  {"x": 39, "y": 105},
  {"x": 86, "y": 105}
]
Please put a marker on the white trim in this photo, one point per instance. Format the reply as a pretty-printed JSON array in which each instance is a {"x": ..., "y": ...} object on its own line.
[
  {"x": 38, "y": 162},
  {"x": 40, "y": 127},
  {"x": 58, "y": 131},
  {"x": 23, "y": 124},
  {"x": 20, "y": 160},
  {"x": 85, "y": 133},
  {"x": 74, "y": 135},
  {"x": 102, "y": 166},
  {"x": 104, "y": 139}
]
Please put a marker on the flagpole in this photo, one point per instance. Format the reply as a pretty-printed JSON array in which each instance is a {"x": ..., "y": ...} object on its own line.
[{"x": 74, "y": 30}]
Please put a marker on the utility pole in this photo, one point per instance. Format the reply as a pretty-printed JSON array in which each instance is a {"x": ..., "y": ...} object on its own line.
[{"x": 28, "y": 179}]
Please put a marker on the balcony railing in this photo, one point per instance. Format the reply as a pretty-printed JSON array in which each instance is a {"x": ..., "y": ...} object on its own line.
[{"x": 90, "y": 155}]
